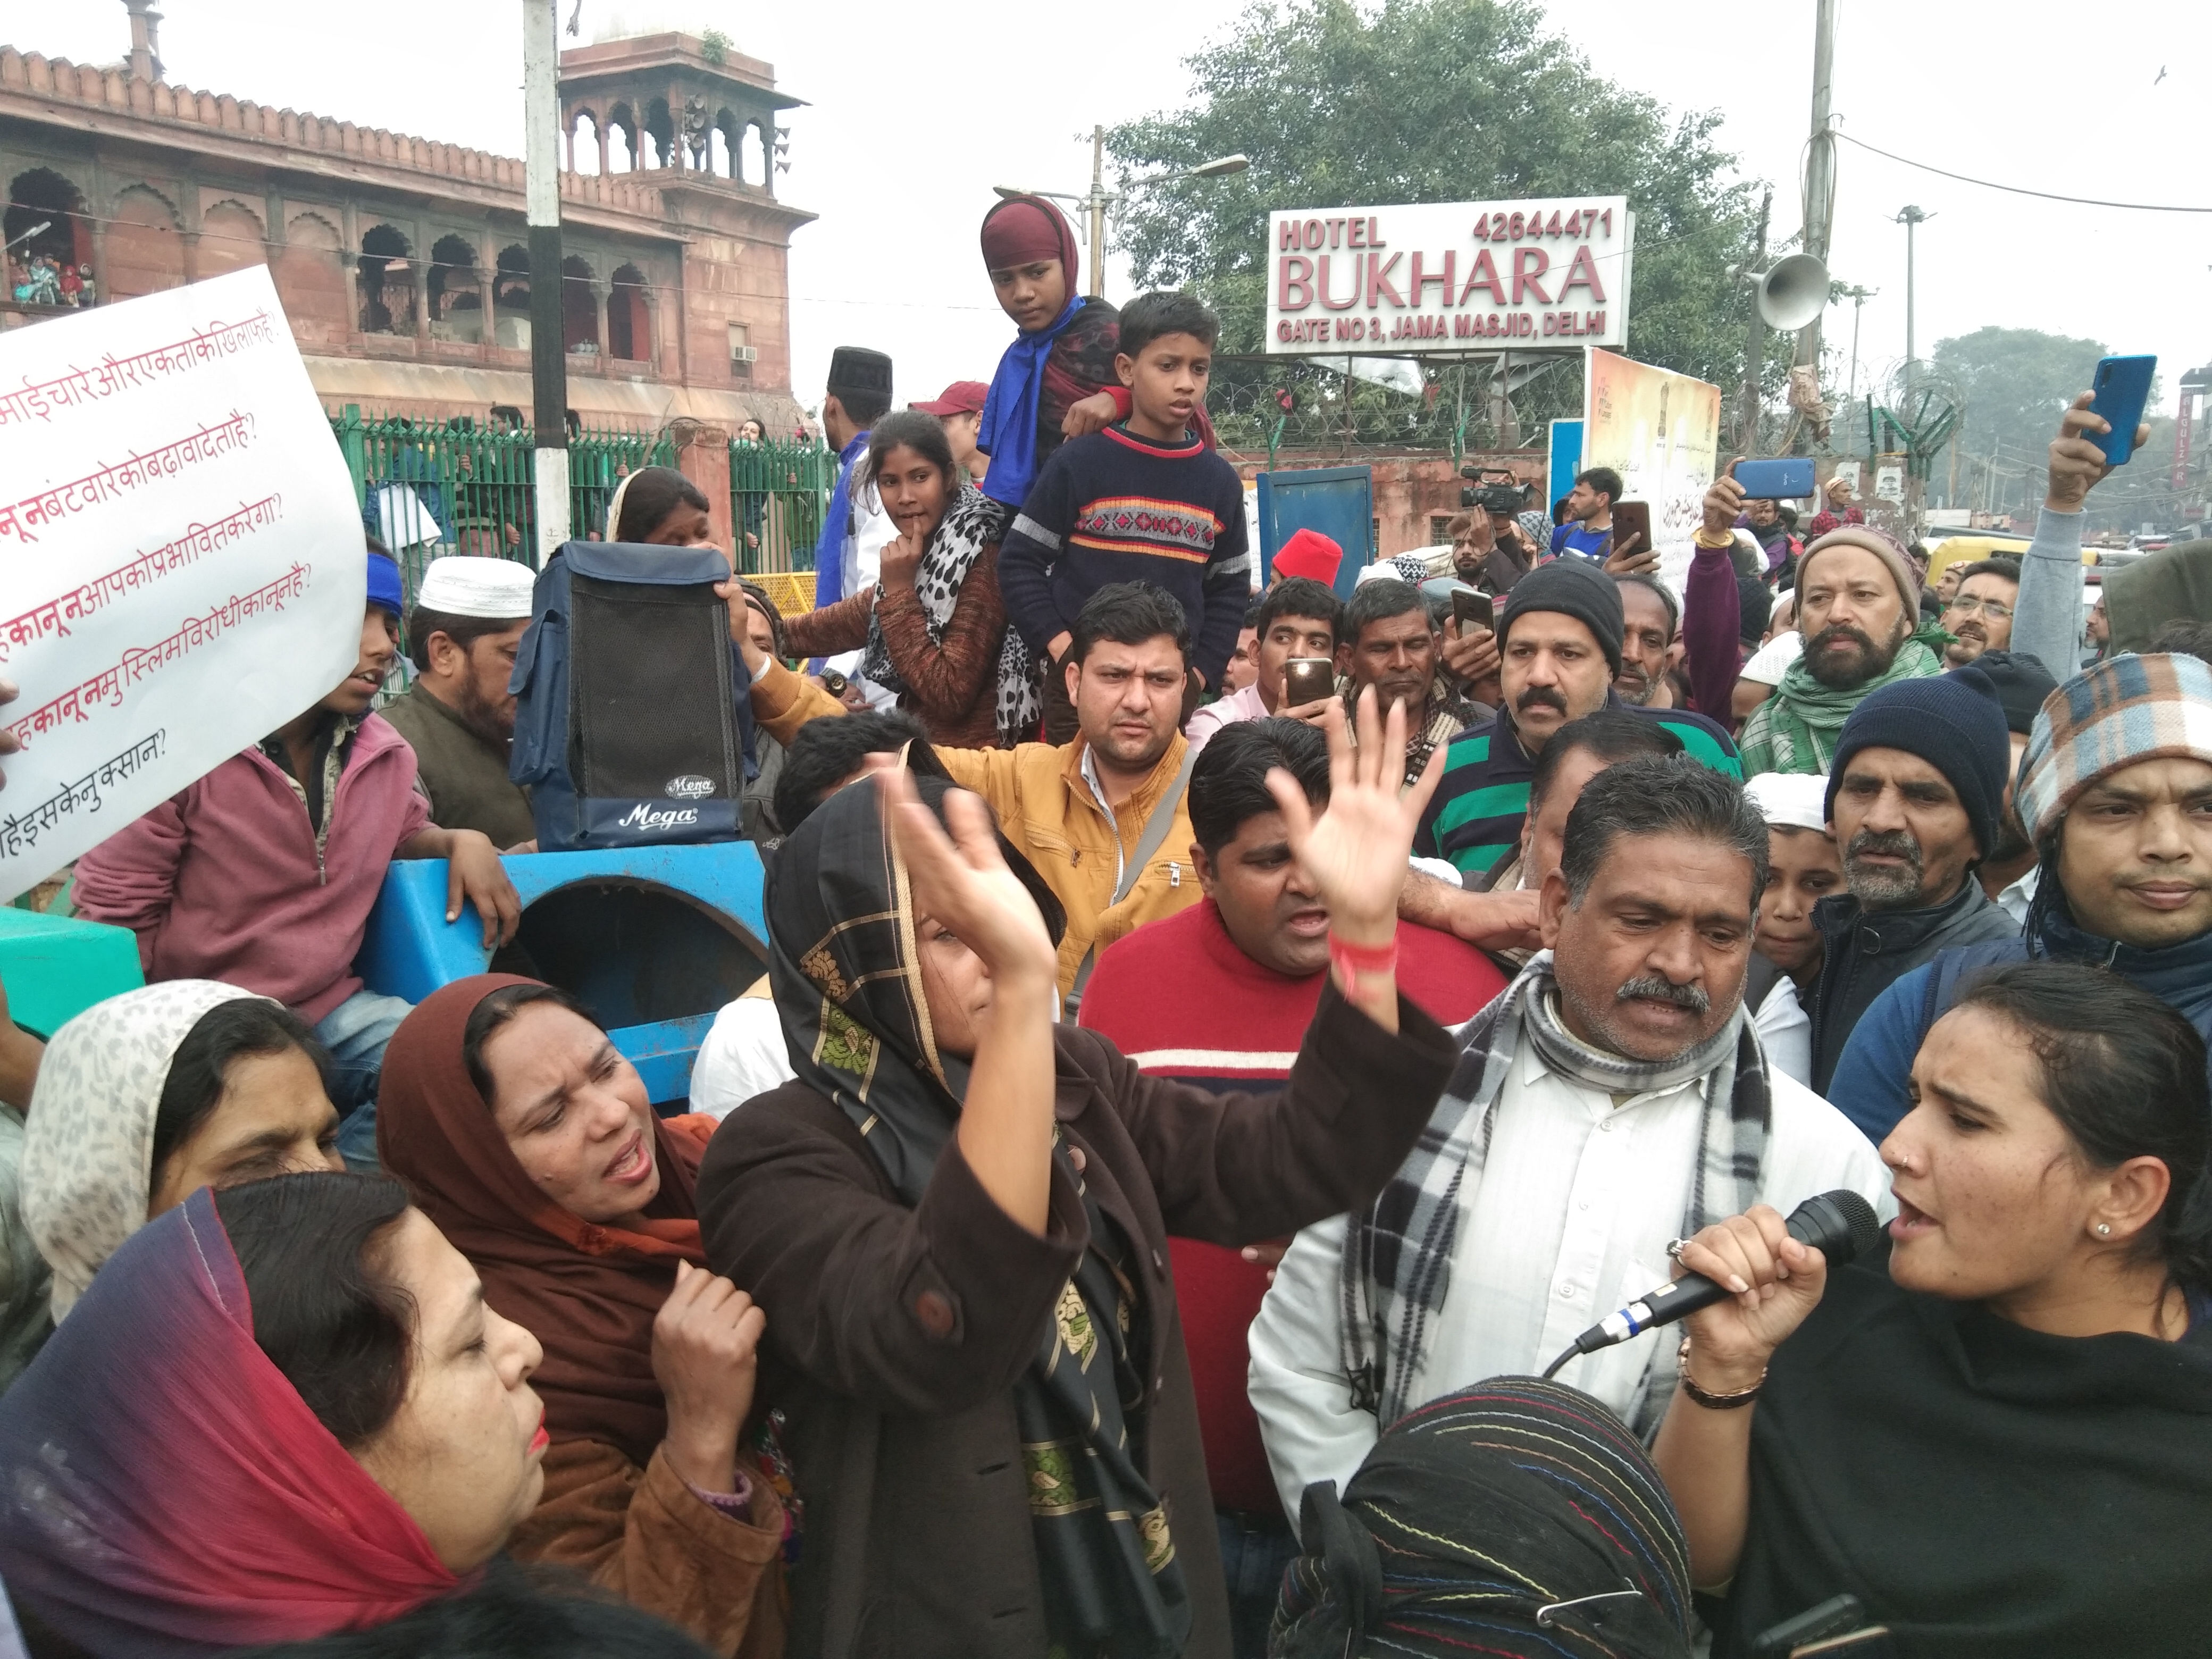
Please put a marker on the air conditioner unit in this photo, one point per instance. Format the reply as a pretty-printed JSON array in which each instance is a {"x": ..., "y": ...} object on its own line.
[{"x": 745, "y": 354}]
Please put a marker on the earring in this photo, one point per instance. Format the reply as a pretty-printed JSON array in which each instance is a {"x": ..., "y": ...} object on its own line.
[{"x": 2104, "y": 1229}]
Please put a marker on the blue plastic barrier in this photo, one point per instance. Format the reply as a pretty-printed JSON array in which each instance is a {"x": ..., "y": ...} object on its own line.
[
  {"x": 654, "y": 939},
  {"x": 56, "y": 967}
]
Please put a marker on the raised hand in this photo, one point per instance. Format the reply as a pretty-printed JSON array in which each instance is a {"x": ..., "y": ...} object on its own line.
[
  {"x": 1777, "y": 1281},
  {"x": 2077, "y": 464},
  {"x": 1723, "y": 502},
  {"x": 1355, "y": 853},
  {"x": 961, "y": 881}
]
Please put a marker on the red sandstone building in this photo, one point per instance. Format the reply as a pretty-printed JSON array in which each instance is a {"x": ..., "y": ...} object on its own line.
[{"x": 402, "y": 263}]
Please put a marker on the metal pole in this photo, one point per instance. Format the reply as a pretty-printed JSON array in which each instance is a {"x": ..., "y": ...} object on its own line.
[
  {"x": 1755, "y": 348},
  {"x": 1858, "y": 304},
  {"x": 1910, "y": 217},
  {"x": 1820, "y": 205},
  {"x": 548, "y": 368},
  {"x": 1098, "y": 212}
]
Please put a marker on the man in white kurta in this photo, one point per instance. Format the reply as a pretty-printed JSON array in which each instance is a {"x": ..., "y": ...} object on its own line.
[{"x": 1566, "y": 1213}]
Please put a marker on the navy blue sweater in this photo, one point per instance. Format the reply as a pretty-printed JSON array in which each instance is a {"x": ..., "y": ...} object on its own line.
[{"x": 1116, "y": 508}]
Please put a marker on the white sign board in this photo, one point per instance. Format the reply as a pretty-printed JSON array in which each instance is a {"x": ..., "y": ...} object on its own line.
[
  {"x": 1460, "y": 276},
  {"x": 181, "y": 562}
]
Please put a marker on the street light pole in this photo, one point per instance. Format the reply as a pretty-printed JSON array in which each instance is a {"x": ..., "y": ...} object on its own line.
[
  {"x": 1911, "y": 218},
  {"x": 1094, "y": 205},
  {"x": 1097, "y": 204},
  {"x": 541, "y": 175}
]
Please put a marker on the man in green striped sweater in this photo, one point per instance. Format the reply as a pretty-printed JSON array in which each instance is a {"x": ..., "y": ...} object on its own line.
[{"x": 1559, "y": 649}]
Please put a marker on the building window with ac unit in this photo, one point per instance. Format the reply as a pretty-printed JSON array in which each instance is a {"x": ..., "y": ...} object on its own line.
[{"x": 742, "y": 354}]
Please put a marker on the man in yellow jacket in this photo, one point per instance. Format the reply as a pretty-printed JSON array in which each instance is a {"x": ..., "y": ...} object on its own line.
[{"x": 1080, "y": 810}]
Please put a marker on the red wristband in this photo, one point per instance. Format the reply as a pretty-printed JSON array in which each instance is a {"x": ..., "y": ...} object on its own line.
[{"x": 1358, "y": 959}]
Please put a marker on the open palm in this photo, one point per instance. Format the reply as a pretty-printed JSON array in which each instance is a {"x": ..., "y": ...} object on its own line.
[
  {"x": 1355, "y": 851},
  {"x": 961, "y": 882}
]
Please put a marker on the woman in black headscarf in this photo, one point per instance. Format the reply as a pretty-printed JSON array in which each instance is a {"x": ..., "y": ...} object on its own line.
[
  {"x": 959, "y": 1214},
  {"x": 1518, "y": 1517}
]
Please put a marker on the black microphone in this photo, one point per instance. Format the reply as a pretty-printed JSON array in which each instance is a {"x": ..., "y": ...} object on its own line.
[{"x": 1842, "y": 1225}]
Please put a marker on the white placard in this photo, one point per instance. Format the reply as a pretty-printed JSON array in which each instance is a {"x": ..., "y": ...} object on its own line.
[
  {"x": 1451, "y": 277},
  {"x": 181, "y": 562}
]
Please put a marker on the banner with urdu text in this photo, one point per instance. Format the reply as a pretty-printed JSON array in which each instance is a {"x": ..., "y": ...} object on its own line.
[{"x": 181, "y": 562}]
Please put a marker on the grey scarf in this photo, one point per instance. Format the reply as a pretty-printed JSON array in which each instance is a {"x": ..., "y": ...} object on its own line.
[{"x": 1396, "y": 1271}]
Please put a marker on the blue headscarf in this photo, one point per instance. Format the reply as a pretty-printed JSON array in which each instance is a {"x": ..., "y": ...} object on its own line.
[{"x": 1015, "y": 232}]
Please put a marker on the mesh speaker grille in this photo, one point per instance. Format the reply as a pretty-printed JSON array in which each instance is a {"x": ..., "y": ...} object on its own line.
[{"x": 649, "y": 677}]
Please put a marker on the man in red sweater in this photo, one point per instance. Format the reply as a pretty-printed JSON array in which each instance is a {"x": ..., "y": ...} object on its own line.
[{"x": 1220, "y": 995}]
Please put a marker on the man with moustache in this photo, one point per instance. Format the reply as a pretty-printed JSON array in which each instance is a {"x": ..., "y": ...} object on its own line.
[
  {"x": 1559, "y": 654},
  {"x": 1915, "y": 799},
  {"x": 2115, "y": 793},
  {"x": 1651, "y": 642},
  {"x": 1858, "y": 609},
  {"x": 459, "y": 716},
  {"x": 1612, "y": 1095}
]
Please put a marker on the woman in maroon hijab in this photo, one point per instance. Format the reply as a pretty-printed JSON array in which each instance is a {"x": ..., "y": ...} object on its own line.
[{"x": 519, "y": 1129}]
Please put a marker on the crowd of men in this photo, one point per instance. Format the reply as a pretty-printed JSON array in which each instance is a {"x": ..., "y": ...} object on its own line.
[{"x": 1696, "y": 861}]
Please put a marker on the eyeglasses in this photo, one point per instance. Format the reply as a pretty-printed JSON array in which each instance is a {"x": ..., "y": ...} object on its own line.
[{"x": 1969, "y": 604}]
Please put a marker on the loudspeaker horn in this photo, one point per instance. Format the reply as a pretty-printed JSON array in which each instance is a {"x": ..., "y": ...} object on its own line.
[{"x": 1793, "y": 293}]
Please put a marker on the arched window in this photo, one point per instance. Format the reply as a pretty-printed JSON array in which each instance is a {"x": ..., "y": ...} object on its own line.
[
  {"x": 456, "y": 303},
  {"x": 629, "y": 330},
  {"x": 145, "y": 252},
  {"x": 584, "y": 144},
  {"x": 579, "y": 311},
  {"x": 622, "y": 140},
  {"x": 43, "y": 196},
  {"x": 386, "y": 283},
  {"x": 659, "y": 135},
  {"x": 755, "y": 159},
  {"x": 510, "y": 298}
]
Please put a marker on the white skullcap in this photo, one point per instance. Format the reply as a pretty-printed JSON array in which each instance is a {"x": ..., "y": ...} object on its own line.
[
  {"x": 494, "y": 590},
  {"x": 1796, "y": 800}
]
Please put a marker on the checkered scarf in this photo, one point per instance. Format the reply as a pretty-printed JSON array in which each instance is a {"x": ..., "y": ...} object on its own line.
[
  {"x": 1397, "y": 1252},
  {"x": 2130, "y": 709}
]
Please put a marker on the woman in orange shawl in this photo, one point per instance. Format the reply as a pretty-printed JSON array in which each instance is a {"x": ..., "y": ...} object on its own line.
[{"x": 528, "y": 1139}]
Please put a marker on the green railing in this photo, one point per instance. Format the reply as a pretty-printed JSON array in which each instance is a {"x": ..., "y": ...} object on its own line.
[
  {"x": 778, "y": 493},
  {"x": 463, "y": 485}
]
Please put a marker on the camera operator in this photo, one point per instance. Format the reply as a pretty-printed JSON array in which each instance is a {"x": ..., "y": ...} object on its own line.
[{"x": 1488, "y": 550}]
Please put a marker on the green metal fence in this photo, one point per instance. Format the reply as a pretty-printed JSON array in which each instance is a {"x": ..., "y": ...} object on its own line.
[
  {"x": 462, "y": 485},
  {"x": 778, "y": 493}
]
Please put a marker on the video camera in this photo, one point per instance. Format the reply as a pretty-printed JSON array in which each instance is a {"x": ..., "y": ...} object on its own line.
[{"x": 1495, "y": 490}]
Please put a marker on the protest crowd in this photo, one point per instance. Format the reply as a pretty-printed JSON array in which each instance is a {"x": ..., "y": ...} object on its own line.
[{"x": 1221, "y": 1045}]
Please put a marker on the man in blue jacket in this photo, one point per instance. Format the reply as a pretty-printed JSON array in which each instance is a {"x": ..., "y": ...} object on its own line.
[{"x": 2116, "y": 789}]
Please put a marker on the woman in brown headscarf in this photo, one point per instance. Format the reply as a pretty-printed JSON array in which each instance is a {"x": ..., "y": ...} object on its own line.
[{"x": 528, "y": 1139}]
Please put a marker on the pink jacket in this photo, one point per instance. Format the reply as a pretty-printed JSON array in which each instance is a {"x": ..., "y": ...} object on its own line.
[{"x": 225, "y": 881}]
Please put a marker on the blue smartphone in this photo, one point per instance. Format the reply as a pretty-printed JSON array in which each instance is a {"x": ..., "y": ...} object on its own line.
[
  {"x": 1787, "y": 480},
  {"x": 2122, "y": 389}
]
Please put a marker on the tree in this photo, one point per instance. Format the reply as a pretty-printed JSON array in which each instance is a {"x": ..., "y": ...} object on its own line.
[
  {"x": 1435, "y": 100},
  {"x": 2013, "y": 384}
]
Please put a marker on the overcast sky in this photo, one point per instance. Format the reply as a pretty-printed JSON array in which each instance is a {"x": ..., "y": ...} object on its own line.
[{"x": 913, "y": 114}]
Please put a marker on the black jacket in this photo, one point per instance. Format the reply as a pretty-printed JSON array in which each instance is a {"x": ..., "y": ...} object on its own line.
[{"x": 1864, "y": 952}]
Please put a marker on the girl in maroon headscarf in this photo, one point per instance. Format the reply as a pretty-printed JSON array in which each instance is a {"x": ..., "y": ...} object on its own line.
[{"x": 1057, "y": 381}]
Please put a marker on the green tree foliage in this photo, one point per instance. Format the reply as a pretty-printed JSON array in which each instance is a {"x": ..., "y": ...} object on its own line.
[
  {"x": 2012, "y": 384},
  {"x": 1434, "y": 100}
]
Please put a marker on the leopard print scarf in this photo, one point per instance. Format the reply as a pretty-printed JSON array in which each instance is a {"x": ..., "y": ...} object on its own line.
[{"x": 972, "y": 523}]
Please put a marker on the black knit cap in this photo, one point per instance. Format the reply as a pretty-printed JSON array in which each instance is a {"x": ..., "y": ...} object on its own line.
[
  {"x": 1573, "y": 587},
  {"x": 857, "y": 369},
  {"x": 2022, "y": 684},
  {"x": 1953, "y": 722}
]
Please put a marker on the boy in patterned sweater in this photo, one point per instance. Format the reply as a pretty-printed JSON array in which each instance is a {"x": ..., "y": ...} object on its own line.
[{"x": 1142, "y": 501}]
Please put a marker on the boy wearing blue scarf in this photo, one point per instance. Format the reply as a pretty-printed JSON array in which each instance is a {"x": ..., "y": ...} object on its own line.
[{"x": 1145, "y": 500}]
